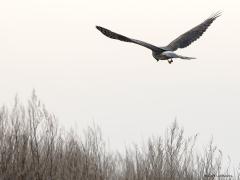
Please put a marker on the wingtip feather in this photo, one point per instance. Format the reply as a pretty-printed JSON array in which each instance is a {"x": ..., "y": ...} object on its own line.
[
  {"x": 98, "y": 27},
  {"x": 216, "y": 15}
]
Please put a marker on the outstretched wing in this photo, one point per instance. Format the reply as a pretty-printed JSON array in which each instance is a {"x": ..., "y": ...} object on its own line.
[
  {"x": 192, "y": 35},
  {"x": 120, "y": 37}
]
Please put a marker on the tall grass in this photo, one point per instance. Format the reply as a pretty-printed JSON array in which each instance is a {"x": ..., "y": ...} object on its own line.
[{"x": 33, "y": 147}]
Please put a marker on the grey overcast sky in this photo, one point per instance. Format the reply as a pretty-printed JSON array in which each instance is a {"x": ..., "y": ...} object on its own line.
[{"x": 82, "y": 76}]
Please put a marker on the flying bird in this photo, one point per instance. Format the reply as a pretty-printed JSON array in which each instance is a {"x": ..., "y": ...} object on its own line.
[{"x": 167, "y": 52}]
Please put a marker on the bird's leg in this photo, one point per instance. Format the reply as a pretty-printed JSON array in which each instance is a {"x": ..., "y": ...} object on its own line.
[{"x": 170, "y": 61}]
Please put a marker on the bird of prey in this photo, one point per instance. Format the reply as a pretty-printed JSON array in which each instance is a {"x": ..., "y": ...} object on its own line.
[{"x": 167, "y": 52}]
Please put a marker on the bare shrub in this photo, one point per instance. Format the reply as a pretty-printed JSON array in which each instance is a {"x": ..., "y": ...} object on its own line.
[{"x": 33, "y": 147}]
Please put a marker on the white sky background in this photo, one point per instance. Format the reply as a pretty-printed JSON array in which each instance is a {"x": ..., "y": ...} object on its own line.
[{"x": 82, "y": 76}]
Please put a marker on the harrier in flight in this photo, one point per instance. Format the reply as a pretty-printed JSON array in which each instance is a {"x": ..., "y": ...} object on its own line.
[{"x": 167, "y": 52}]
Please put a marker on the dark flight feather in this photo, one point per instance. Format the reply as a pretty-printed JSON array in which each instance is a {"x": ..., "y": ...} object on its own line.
[
  {"x": 192, "y": 35},
  {"x": 120, "y": 37}
]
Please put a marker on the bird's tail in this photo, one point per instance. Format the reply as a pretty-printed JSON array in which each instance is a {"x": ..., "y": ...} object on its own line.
[
  {"x": 171, "y": 55},
  {"x": 185, "y": 57}
]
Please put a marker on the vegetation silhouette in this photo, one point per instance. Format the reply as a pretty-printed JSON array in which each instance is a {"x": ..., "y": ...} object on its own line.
[{"x": 34, "y": 147}]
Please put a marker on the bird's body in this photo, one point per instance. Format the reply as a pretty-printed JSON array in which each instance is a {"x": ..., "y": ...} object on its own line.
[
  {"x": 167, "y": 52},
  {"x": 159, "y": 55}
]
